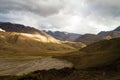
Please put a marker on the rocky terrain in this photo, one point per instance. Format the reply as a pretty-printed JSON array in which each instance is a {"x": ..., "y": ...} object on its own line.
[
  {"x": 35, "y": 55},
  {"x": 89, "y": 38},
  {"x": 98, "y": 61},
  {"x": 18, "y": 39},
  {"x": 103, "y": 35},
  {"x": 20, "y": 65},
  {"x": 64, "y": 36}
]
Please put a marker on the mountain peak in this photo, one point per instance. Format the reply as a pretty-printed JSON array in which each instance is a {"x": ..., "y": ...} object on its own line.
[
  {"x": 117, "y": 29},
  {"x": 11, "y": 27},
  {"x": 64, "y": 36}
]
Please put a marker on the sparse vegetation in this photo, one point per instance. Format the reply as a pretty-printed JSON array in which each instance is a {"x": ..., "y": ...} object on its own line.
[
  {"x": 18, "y": 45},
  {"x": 98, "y": 54},
  {"x": 69, "y": 74},
  {"x": 41, "y": 57}
]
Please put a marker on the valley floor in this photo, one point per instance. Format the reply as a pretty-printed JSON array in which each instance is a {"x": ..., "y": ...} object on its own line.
[
  {"x": 67, "y": 74},
  {"x": 49, "y": 68},
  {"x": 23, "y": 65}
]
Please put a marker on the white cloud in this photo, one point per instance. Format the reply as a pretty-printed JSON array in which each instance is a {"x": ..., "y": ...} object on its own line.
[{"x": 79, "y": 16}]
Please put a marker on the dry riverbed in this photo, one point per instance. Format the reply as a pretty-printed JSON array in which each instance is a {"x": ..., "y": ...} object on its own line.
[{"x": 24, "y": 65}]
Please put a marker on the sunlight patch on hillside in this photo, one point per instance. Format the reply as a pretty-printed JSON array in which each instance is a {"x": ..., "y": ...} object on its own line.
[{"x": 37, "y": 37}]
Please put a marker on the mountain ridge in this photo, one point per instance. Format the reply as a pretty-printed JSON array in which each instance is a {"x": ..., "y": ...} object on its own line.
[
  {"x": 103, "y": 35},
  {"x": 64, "y": 36},
  {"x": 17, "y": 38}
]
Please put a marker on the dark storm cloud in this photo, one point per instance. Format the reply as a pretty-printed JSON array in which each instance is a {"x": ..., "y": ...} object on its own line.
[{"x": 39, "y": 7}]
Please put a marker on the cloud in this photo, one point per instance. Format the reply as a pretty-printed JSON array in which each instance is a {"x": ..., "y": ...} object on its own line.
[
  {"x": 40, "y": 7},
  {"x": 105, "y": 7},
  {"x": 79, "y": 16}
]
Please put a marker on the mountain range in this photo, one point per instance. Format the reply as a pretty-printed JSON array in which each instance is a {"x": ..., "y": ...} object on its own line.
[
  {"x": 24, "y": 49},
  {"x": 18, "y": 39},
  {"x": 98, "y": 61},
  {"x": 64, "y": 36},
  {"x": 97, "y": 55},
  {"x": 92, "y": 38},
  {"x": 85, "y": 38}
]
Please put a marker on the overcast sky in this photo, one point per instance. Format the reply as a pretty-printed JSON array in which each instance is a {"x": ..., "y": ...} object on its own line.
[{"x": 78, "y": 16}]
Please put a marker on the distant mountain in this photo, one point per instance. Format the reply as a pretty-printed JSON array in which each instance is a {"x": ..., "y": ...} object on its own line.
[
  {"x": 117, "y": 29},
  {"x": 10, "y": 27},
  {"x": 64, "y": 36},
  {"x": 88, "y": 38},
  {"x": 17, "y": 38},
  {"x": 111, "y": 34},
  {"x": 91, "y": 38}
]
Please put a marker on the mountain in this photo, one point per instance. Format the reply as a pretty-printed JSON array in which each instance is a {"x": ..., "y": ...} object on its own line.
[
  {"x": 91, "y": 38},
  {"x": 88, "y": 38},
  {"x": 109, "y": 34},
  {"x": 64, "y": 36},
  {"x": 12, "y": 43},
  {"x": 99, "y": 54},
  {"x": 113, "y": 34},
  {"x": 17, "y": 38},
  {"x": 77, "y": 45},
  {"x": 98, "y": 61},
  {"x": 117, "y": 29},
  {"x": 10, "y": 27}
]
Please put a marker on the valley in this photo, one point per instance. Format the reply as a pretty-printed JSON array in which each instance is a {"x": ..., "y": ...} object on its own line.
[
  {"x": 36, "y": 55},
  {"x": 59, "y": 39},
  {"x": 19, "y": 65}
]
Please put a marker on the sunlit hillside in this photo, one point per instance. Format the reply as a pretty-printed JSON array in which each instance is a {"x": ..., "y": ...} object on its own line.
[{"x": 13, "y": 43}]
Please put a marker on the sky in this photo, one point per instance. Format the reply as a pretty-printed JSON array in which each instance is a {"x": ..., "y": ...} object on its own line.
[{"x": 76, "y": 16}]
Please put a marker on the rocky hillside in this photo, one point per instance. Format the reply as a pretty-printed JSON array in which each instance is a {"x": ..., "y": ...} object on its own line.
[
  {"x": 12, "y": 42},
  {"x": 110, "y": 34},
  {"x": 17, "y": 38},
  {"x": 99, "y": 61},
  {"x": 10, "y": 27},
  {"x": 91, "y": 38},
  {"x": 117, "y": 29},
  {"x": 64, "y": 36},
  {"x": 99, "y": 54},
  {"x": 88, "y": 38}
]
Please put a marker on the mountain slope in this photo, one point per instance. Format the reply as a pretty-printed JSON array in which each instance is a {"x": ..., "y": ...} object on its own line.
[
  {"x": 10, "y": 27},
  {"x": 98, "y": 54},
  {"x": 12, "y": 42},
  {"x": 117, "y": 29},
  {"x": 64, "y": 36},
  {"x": 98, "y": 61},
  {"x": 109, "y": 34},
  {"x": 77, "y": 45},
  {"x": 88, "y": 38},
  {"x": 92, "y": 38}
]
